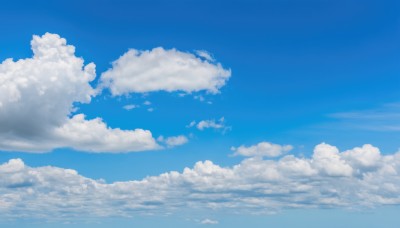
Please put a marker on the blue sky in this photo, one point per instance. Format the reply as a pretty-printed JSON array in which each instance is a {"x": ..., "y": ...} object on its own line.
[{"x": 284, "y": 76}]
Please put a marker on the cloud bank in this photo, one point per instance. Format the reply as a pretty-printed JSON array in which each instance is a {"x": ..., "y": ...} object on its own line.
[{"x": 357, "y": 178}]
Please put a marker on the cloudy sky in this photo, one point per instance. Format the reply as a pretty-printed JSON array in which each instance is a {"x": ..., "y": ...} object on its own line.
[{"x": 200, "y": 113}]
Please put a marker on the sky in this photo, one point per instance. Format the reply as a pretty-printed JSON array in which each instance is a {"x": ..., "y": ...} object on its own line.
[{"x": 200, "y": 113}]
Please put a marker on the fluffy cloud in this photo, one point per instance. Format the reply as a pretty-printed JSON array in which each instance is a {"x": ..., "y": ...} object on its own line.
[
  {"x": 164, "y": 70},
  {"x": 254, "y": 186},
  {"x": 37, "y": 97},
  {"x": 262, "y": 149},
  {"x": 94, "y": 136}
]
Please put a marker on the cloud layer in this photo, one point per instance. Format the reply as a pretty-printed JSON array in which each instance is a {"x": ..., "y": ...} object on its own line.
[
  {"x": 164, "y": 70},
  {"x": 356, "y": 178},
  {"x": 37, "y": 97}
]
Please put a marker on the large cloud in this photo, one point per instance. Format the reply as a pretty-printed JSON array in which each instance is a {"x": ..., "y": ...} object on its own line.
[
  {"x": 37, "y": 96},
  {"x": 164, "y": 70},
  {"x": 328, "y": 179}
]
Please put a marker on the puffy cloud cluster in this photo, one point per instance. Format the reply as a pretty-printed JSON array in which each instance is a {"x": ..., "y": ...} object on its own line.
[
  {"x": 38, "y": 94},
  {"x": 164, "y": 70},
  {"x": 356, "y": 178},
  {"x": 262, "y": 149},
  {"x": 37, "y": 97}
]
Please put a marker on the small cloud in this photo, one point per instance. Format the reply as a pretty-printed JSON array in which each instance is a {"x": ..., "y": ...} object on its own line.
[
  {"x": 262, "y": 149},
  {"x": 150, "y": 109},
  {"x": 199, "y": 97},
  {"x": 147, "y": 103},
  {"x": 173, "y": 140},
  {"x": 215, "y": 124},
  {"x": 209, "y": 222},
  {"x": 192, "y": 124},
  {"x": 130, "y": 107}
]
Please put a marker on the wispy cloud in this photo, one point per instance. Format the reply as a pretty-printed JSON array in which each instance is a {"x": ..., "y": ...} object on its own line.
[
  {"x": 130, "y": 107},
  {"x": 384, "y": 118},
  {"x": 213, "y": 124},
  {"x": 209, "y": 222},
  {"x": 262, "y": 149}
]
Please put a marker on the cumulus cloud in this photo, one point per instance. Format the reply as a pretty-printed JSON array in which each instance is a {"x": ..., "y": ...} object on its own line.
[
  {"x": 164, "y": 70},
  {"x": 37, "y": 97},
  {"x": 262, "y": 149},
  {"x": 327, "y": 179},
  {"x": 94, "y": 136},
  {"x": 215, "y": 124}
]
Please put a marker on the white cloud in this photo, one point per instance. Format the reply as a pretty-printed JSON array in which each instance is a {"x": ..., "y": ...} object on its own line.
[
  {"x": 37, "y": 97},
  {"x": 130, "y": 107},
  {"x": 328, "y": 160},
  {"x": 163, "y": 70},
  {"x": 94, "y": 136},
  {"x": 215, "y": 124},
  {"x": 209, "y": 222},
  {"x": 262, "y": 149},
  {"x": 329, "y": 179},
  {"x": 173, "y": 140}
]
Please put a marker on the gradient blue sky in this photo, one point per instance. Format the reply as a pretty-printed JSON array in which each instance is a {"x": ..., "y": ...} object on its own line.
[{"x": 303, "y": 72}]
